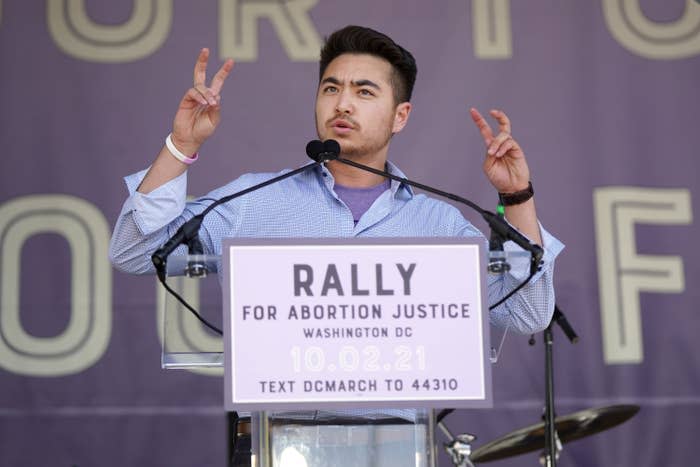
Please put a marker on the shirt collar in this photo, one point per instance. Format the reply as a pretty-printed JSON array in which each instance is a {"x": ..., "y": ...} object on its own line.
[{"x": 397, "y": 188}]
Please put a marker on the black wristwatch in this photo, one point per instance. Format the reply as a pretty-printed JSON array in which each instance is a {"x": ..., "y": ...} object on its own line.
[{"x": 519, "y": 197}]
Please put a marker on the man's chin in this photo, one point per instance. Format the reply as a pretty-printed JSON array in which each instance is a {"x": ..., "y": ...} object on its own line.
[{"x": 350, "y": 151}]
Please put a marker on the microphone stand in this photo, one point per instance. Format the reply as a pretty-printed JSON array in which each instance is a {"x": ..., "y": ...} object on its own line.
[
  {"x": 499, "y": 226},
  {"x": 188, "y": 234},
  {"x": 189, "y": 231},
  {"x": 552, "y": 446},
  {"x": 495, "y": 222}
]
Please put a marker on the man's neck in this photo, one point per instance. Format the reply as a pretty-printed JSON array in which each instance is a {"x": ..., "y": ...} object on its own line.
[{"x": 354, "y": 177}]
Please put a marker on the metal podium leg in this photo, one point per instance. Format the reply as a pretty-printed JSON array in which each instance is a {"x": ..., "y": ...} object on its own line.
[{"x": 238, "y": 441}]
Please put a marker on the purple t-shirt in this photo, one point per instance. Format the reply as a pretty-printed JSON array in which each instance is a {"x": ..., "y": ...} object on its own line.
[{"x": 360, "y": 199}]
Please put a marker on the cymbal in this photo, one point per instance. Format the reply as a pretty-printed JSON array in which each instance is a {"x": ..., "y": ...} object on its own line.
[{"x": 568, "y": 427}]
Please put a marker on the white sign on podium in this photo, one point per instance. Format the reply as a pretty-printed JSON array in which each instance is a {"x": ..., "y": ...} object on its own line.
[{"x": 355, "y": 323}]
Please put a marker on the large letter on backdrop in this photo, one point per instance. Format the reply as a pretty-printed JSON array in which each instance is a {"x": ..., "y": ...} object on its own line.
[
  {"x": 622, "y": 273},
  {"x": 238, "y": 28},
  {"x": 637, "y": 33},
  {"x": 86, "y": 336},
  {"x": 491, "y": 26},
  {"x": 77, "y": 35}
]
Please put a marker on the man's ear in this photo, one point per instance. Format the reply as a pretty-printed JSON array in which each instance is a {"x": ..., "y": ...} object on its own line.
[{"x": 403, "y": 110}]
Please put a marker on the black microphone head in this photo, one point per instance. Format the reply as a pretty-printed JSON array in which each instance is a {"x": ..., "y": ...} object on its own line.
[
  {"x": 332, "y": 146},
  {"x": 313, "y": 149}
]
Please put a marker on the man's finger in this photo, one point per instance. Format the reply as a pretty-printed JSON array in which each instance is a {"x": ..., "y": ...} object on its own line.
[
  {"x": 482, "y": 125},
  {"x": 498, "y": 142},
  {"x": 507, "y": 145},
  {"x": 206, "y": 94},
  {"x": 196, "y": 96},
  {"x": 218, "y": 81},
  {"x": 502, "y": 119},
  {"x": 200, "y": 68}
]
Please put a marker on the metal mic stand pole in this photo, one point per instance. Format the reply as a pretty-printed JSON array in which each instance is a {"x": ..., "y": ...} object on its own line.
[
  {"x": 550, "y": 452},
  {"x": 551, "y": 441}
]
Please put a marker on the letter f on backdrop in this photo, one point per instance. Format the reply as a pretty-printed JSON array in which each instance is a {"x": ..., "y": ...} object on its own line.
[{"x": 622, "y": 272}]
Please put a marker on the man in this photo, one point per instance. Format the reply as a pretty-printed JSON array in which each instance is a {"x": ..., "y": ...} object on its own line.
[{"x": 363, "y": 99}]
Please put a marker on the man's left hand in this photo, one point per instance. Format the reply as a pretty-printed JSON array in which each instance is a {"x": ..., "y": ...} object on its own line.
[{"x": 505, "y": 164}]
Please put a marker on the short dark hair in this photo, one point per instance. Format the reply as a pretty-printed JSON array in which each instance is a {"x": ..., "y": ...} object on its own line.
[{"x": 361, "y": 40}]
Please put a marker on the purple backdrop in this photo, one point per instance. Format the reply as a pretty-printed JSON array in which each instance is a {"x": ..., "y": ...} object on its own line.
[{"x": 602, "y": 95}]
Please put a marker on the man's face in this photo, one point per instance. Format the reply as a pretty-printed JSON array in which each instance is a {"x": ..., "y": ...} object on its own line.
[{"x": 355, "y": 105}]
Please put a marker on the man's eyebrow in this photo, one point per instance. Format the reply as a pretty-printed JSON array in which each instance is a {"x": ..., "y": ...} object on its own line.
[
  {"x": 332, "y": 80},
  {"x": 358, "y": 83},
  {"x": 366, "y": 82}
]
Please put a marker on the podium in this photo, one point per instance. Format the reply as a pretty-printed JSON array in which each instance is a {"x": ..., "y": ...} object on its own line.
[{"x": 354, "y": 344}]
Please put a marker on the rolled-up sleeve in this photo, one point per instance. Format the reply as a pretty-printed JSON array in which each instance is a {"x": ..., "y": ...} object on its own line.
[
  {"x": 142, "y": 223},
  {"x": 530, "y": 309}
]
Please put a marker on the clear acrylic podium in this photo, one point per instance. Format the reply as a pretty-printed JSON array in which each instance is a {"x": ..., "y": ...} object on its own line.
[
  {"x": 186, "y": 342},
  {"x": 316, "y": 439},
  {"x": 339, "y": 438}
]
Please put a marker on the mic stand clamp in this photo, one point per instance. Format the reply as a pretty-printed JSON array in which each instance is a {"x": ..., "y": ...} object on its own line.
[
  {"x": 498, "y": 262},
  {"x": 459, "y": 448},
  {"x": 187, "y": 233},
  {"x": 500, "y": 228},
  {"x": 196, "y": 267}
]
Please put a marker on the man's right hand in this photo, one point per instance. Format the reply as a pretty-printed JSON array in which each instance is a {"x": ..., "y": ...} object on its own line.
[
  {"x": 199, "y": 111},
  {"x": 196, "y": 119}
]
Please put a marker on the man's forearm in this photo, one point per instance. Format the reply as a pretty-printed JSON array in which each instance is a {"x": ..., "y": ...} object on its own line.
[
  {"x": 524, "y": 218},
  {"x": 164, "y": 169}
]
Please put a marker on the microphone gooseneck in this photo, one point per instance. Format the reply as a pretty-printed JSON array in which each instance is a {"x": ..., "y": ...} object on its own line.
[
  {"x": 189, "y": 231},
  {"x": 498, "y": 224}
]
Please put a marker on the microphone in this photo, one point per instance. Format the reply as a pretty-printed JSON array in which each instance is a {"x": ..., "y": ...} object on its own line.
[
  {"x": 323, "y": 151},
  {"x": 330, "y": 150}
]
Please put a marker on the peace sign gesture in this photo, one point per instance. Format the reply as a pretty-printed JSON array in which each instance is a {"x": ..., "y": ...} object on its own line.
[
  {"x": 199, "y": 111},
  {"x": 505, "y": 164}
]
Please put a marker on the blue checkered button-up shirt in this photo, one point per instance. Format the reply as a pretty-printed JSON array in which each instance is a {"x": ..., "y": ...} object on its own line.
[{"x": 307, "y": 206}]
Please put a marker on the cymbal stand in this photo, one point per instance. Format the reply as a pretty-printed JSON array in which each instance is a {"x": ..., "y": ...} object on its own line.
[
  {"x": 459, "y": 448},
  {"x": 552, "y": 446}
]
